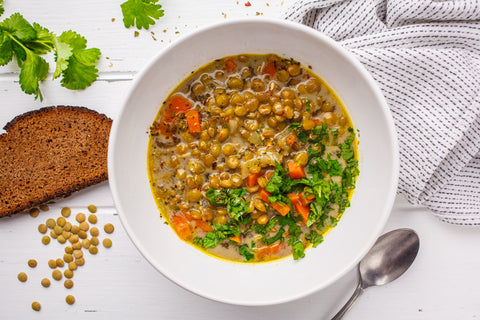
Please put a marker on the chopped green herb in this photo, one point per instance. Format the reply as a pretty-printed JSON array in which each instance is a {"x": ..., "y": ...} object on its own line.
[
  {"x": 232, "y": 198},
  {"x": 246, "y": 252},
  {"x": 298, "y": 250},
  {"x": 314, "y": 238}
]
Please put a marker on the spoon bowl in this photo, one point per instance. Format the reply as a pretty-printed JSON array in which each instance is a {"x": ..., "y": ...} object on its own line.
[{"x": 391, "y": 255}]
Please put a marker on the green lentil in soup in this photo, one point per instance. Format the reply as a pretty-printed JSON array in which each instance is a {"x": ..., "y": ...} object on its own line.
[{"x": 252, "y": 158}]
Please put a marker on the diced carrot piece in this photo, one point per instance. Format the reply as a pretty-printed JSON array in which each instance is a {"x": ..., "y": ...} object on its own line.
[
  {"x": 295, "y": 170},
  {"x": 176, "y": 106},
  {"x": 193, "y": 121},
  {"x": 236, "y": 239},
  {"x": 263, "y": 194},
  {"x": 270, "y": 69},
  {"x": 291, "y": 139},
  {"x": 252, "y": 179},
  {"x": 230, "y": 65},
  {"x": 293, "y": 197},
  {"x": 267, "y": 251},
  {"x": 318, "y": 122},
  {"x": 182, "y": 227},
  {"x": 306, "y": 200},
  {"x": 205, "y": 226},
  {"x": 304, "y": 211},
  {"x": 282, "y": 209}
]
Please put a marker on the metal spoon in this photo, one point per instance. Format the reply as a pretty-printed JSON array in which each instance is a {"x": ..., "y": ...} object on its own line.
[{"x": 388, "y": 259}]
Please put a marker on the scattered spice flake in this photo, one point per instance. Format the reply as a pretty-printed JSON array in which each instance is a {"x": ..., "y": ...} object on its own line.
[
  {"x": 110, "y": 65},
  {"x": 248, "y": 4},
  {"x": 107, "y": 58},
  {"x": 268, "y": 5},
  {"x": 224, "y": 15},
  {"x": 164, "y": 30},
  {"x": 177, "y": 32},
  {"x": 113, "y": 19},
  {"x": 259, "y": 13},
  {"x": 136, "y": 34},
  {"x": 281, "y": 3}
]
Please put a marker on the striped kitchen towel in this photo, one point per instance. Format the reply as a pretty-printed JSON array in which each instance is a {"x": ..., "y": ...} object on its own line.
[{"x": 425, "y": 56}]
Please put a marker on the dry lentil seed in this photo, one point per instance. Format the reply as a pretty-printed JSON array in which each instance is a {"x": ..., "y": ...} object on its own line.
[
  {"x": 22, "y": 277},
  {"x": 58, "y": 230},
  {"x": 68, "y": 249},
  {"x": 59, "y": 263},
  {"x": 45, "y": 282},
  {"x": 32, "y": 263},
  {"x": 45, "y": 240},
  {"x": 80, "y": 217},
  {"x": 94, "y": 231},
  {"x": 93, "y": 250},
  {"x": 61, "y": 239},
  {"x": 109, "y": 228},
  {"x": 73, "y": 238},
  {"x": 107, "y": 243},
  {"x": 86, "y": 243},
  {"x": 66, "y": 234},
  {"x": 82, "y": 234},
  {"x": 67, "y": 227},
  {"x": 53, "y": 234},
  {"x": 42, "y": 228},
  {"x": 44, "y": 207},
  {"x": 57, "y": 275},
  {"x": 67, "y": 257},
  {"x": 77, "y": 245},
  {"x": 75, "y": 229},
  {"x": 68, "y": 273},
  {"x": 34, "y": 212},
  {"x": 94, "y": 241},
  {"x": 72, "y": 266},
  {"x": 84, "y": 226},
  {"x": 52, "y": 263},
  {"x": 50, "y": 223},
  {"x": 68, "y": 284},
  {"x": 80, "y": 261},
  {"x": 61, "y": 221},
  {"x": 70, "y": 299},
  {"x": 77, "y": 254},
  {"x": 36, "y": 306},
  {"x": 92, "y": 208},
  {"x": 92, "y": 219},
  {"x": 66, "y": 212}
]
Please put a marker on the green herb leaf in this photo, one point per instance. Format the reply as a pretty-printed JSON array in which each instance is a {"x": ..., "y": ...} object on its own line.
[
  {"x": 232, "y": 198},
  {"x": 298, "y": 250},
  {"x": 6, "y": 49},
  {"x": 18, "y": 27},
  {"x": 246, "y": 252},
  {"x": 314, "y": 238},
  {"x": 1, "y": 7},
  {"x": 141, "y": 13},
  {"x": 34, "y": 70}
]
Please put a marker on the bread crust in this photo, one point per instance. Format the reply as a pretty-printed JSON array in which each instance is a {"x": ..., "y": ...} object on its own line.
[{"x": 50, "y": 153}]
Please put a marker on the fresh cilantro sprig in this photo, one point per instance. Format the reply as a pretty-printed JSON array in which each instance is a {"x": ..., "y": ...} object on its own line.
[
  {"x": 141, "y": 13},
  {"x": 26, "y": 42},
  {"x": 232, "y": 198},
  {"x": 1, "y": 7}
]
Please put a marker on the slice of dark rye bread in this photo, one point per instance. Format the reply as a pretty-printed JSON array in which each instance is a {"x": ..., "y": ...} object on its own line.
[{"x": 50, "y": 153}]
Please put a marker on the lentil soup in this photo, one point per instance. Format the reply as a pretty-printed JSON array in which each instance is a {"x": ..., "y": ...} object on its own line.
[{"x": 252, "y": 158}]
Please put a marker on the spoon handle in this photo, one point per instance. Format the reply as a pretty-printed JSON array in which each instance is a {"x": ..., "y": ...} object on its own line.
[{"x": 358, "y": 291}]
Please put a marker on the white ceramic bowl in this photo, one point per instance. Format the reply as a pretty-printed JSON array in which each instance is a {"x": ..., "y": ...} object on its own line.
[{"x": 286, "y": 279}]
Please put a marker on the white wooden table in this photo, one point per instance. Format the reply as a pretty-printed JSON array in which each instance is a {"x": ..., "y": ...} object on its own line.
[{"x": 118, "y": 283}]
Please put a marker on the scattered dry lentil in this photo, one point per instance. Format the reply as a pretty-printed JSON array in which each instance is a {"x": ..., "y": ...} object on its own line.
[
  {"x": 80, "y": 217},
  {"x": 53, "y": 234},
  {"x": 108, "y": 228},
  {"x": 61, "y": 221},
  {"x": 59, "y": 263},
  {"x": 68, "y": 249},
  {"x": 92, "y": 219},
  {"x": 57, "y": 275},
  {"x": 84, "y": 226},
  {"x": 72, "y": 266},
  {"x": 67, "y": 227},
  {"x": 45, "y": 240},
  {"x": 93, "y": 250},
  {"x": 67, "y": 257},
  {"x": 107, "y": 243},
  {"x": 82, "y": 234},
  {"x": 77, "y": 245},
  {"x": 42, "y": 228},
  {"x": 92, "y": 208},
  {"x": 70, "y": 299},
  {"x": 52, "y": 263},
  {"x": 68, "y": 273},
  {"x": 45, "y": 282},
  {"x": 50, "y": 223},
  {"x": 61, "y": 239},
  {"x": 32, "y": 263},
  {"x": 22, "y": 277},
  {"x": 80, "y": 261},
  {"x": 68, "y": 284},
  {"x": 66, "y": 234},
  {"x": 75, "y": 229},
  {"x": 94, "y": 231},
  {"x": 94, "y": 241},
  {"x": 34, "y": 212},
  {"x": 58, "y": 230},
  {"x": 86, "y": 243},
  {"x": 44, "y": 207},
  {"x": 36, "y": 306},
  {"x": 66, "y": 212},
  {"x": 73, "y": 238},
  {"x": 77, "y": 254}
]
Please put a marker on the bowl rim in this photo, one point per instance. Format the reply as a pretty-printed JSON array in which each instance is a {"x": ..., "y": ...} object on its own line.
[{"x": 298, "y": 28}]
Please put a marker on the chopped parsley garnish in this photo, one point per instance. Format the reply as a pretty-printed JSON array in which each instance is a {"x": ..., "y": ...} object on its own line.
[
  {"x": 232, "y": 198},
  {"x": 246, "y": 252}
]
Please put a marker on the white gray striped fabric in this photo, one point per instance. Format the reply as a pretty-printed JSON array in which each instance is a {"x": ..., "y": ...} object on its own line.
[{"x": 425, "y": 56}]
